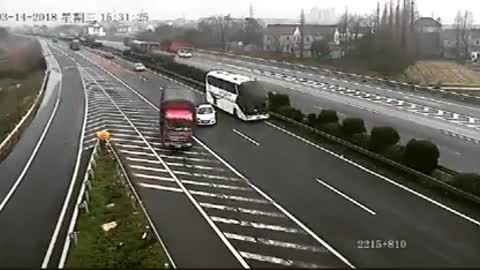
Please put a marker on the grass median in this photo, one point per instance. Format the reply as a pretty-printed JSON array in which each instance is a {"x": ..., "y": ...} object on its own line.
[{"x": 131, "y": 244}]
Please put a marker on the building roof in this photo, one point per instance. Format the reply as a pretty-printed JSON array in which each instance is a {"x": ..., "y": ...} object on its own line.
[
  {"x": 309, "y": 29},
  {"x": 427, "y": 21}
]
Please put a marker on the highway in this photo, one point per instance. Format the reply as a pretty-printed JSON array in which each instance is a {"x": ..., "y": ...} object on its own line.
[
  {"x": 37, "y": 175},
  {"x": 261, "y": 196},
  {"x": 452, "y": 125}
]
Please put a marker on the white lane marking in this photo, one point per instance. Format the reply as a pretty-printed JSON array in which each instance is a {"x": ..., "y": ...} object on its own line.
[
  {"x": 121, "y": 145},
  {"x": 229, "y": 245},
  {"x": 346, "y": 197},
  {"x": 63, "y": 212},
  {"x": 279, "y": 207},
  {"x": 455, "y": 212},
  {"x": 34, "y": 153},
  {"x": 199, "y": 167},
  {"x": 143, "y": 161},
  {"x": 241, "y": 210},
  {"x": 256, "y": 225},
  {"x": 245, "y": 137},
  {"x": 135, "y": 153},
  {"x": 159, "y": 187},
  {"x": 227, "y": 197},
  {"x": 276, "y": 243},
  {"x": 208, "y": 184},
  {"x": 153, "y": 177}
]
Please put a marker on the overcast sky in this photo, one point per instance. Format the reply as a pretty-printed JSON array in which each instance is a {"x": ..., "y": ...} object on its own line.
[{"x": 162, "y": 9}]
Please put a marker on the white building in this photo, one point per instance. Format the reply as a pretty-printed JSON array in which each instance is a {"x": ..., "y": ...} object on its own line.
[{"x": 95, "y": 29}]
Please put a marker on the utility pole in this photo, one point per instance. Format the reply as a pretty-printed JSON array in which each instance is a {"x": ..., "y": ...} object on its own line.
[
  {"x": 251, "y": 10},
  {"x": 302, "y": 33}
]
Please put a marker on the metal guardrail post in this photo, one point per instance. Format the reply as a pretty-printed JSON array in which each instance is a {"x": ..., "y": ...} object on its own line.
[
  {"x": 84, "y": 205},
  {"x": 74, "y": 236}
]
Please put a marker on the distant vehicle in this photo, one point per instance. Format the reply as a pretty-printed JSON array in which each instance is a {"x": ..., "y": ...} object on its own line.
[
  {"x": 75, "y": 45},
  {"x": 55, "y": 40},
  {"x": 177, "y": 118},
  {"x": 236, "y": 94},
  {"x": 185, "y": 53},
  {"x": 108, "y": 55},
  {"x": 139, "y": 67},
  {"x": 173, "y": 46},
  {"x": 206, "y": 115}
]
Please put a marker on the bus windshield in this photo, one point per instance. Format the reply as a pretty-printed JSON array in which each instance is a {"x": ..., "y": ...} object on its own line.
[{"x": 252, "y": 98}]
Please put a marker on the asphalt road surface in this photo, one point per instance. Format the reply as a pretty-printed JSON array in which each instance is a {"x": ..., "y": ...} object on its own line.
[
  {"x": 271, "y": 198},
  {"x": 36, "y": 176}
]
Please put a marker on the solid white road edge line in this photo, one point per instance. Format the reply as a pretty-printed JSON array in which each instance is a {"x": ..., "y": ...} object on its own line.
[
  {"x": 34, "y": 153},
  {"x": 285, "y": 212},
  {"x": 227, "y": 243},
  {"x": 346, "y": 197},
  {"x": 245, "y": 137},
  {"x": 378, "y": 175},
  {"x": 53, "y": 240}
]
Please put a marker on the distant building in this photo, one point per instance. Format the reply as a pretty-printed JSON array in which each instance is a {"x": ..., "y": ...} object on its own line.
[
  {"x": 453, "y": 45},
  {"x": 428, "y": 39},
  {"x": 285, "y": 38},
  {"x": 95, "y": 29}
]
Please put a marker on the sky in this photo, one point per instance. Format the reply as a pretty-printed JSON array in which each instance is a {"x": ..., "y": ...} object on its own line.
[{"x": 194, "y": 9}]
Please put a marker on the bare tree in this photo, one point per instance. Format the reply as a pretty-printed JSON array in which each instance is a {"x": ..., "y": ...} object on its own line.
[
  {"x": 463, "y": 28},
  {"x": 302, "y": 33}
]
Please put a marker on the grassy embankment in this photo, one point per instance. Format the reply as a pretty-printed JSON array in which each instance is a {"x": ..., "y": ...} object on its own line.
[
  {"x": 22, "y": 70},
  {"x": 124, "y": 246}
]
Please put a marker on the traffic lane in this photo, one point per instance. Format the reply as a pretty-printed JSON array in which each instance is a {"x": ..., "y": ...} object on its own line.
[
  {"x": 417, "y": 97},
  {"x": 449, "y": 106},
  {"x": 13, "y": 164},
  {"x": 266, "y": 167},
  {"x": 35, "y": 207},
  {"x": 148, "y": 83},
  {"x": 455, "y": 153},
  {"x": 191, "y": 242},
  {"x": 391, "y": 110}
]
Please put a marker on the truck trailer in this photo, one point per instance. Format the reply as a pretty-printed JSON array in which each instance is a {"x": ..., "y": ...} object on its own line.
[{"x": 177, "y": 118}]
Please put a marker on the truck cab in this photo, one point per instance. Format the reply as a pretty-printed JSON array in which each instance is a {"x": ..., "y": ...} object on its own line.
[{"x": 177, "y": 119}]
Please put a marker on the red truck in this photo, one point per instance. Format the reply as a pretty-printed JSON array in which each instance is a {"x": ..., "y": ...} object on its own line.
[
  {"x": 173, "y": 46},
  {"x": 177, "y": 118}
]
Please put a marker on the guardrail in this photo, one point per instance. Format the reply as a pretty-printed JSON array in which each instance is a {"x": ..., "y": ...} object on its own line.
[
  {"x": 383, "y": 160},
  {"x": 81, "y": 203},
  {"x": 348, "y": 145},
  {"x": 83, "y": 199},
  {"x": 12, "y": 138}
]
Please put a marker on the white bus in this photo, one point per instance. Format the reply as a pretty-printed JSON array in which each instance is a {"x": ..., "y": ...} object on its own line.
[{"x": 236, "y": 94}]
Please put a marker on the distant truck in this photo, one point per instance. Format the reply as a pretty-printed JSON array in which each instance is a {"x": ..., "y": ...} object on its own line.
[
  {"x": 75, "y": 45},
  {"x": 177, "y": 118},
  {"x": 173, "y": 46}
]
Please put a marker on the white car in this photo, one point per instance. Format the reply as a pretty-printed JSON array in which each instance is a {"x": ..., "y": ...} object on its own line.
[
  {"x": 184, "y": 54},
  {"x": 206, "y": 115},
  {"x": 139, "y": 67}
]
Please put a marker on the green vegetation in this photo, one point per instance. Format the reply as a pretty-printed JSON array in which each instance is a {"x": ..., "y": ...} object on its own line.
[
  {"x": 122, "y": 246},
  {"x": 21, "y": 74},
  {"x": 469, "y": 182},
  {"x": 421, "y": 155},
  {"x": 16, "y": 98}
]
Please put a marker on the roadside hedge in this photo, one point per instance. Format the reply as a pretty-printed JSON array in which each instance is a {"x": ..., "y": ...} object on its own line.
[
  {"x": 351, "y": 126},
  {"x": 383, "y": 137},
  {"x": 468, "y": 182},
  {"x": 275, "y": 101},
  {"x": 327, "y": 117},
  {"x": 421, "y": 155}
]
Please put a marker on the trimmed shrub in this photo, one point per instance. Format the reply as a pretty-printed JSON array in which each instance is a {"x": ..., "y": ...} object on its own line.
[
  {"x": 421, "y": 155},
  {"x": 333, "y": 129},
  {"x": 383, "y": 137},
  {"x": 291, "y": 113},
  {"x": 275, "y": 101},
  {"x": 468, "y": 182},
  {"x": 311, "y": 119},
  {"x": 360, "y": 139},
  {"x": 352, "y": 126},
  {"x": 327, "y": 117},
  {"x": 395, "y": 152}
]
